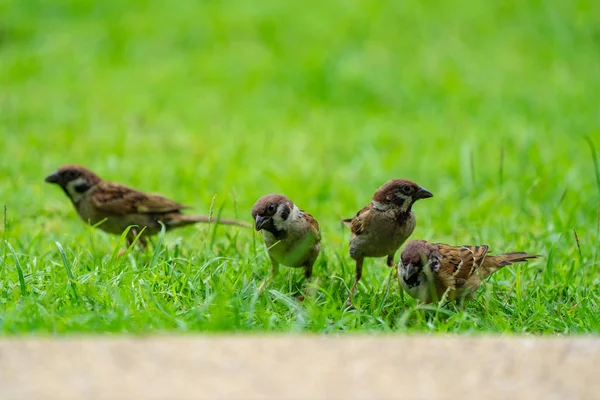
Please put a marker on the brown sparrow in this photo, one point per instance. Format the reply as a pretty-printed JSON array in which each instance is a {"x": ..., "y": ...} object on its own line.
[
  {"x": 291, "y": 235},
  {"x": 381, "y": 227},
  {"x": 427, "y": 271},
  {"x": 120, "y": 207}
]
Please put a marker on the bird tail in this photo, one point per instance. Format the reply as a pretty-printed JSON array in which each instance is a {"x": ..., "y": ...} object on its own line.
[
  {"x": 187, "y": 219},
  {"x": 510, "y": 258},
  {"x": 494, "y": 263}
]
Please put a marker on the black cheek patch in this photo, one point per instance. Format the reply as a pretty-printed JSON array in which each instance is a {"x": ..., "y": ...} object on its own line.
[
  {"x": 413, "y": 280},
  {"x": 82, "y": 187},
  {"x": 285, "y": 212},
  {"x": 270, "y": 227}
]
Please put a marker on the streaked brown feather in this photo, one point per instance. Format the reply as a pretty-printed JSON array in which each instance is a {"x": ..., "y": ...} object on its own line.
[
  {"x": 121, "y": 200},
  {"x": 358, "y": 223},
  {"x": 314, "y": 225},
  {"x": 461, "y": 261}
]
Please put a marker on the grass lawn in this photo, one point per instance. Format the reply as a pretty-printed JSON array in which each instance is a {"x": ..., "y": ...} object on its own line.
[{"x": 486, "y": 105}]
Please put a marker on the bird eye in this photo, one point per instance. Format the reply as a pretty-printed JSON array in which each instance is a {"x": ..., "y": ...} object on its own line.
[
  {"x": 407, "y": 189},
  {"x": 70, "y": 175},
  {"x": 271, "y": 209}
]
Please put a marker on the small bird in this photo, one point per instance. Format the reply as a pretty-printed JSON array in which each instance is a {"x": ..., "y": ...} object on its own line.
[
  {"x": 381, "y": 227},
  {"x": 427, "y": 271},
  {"x": 116, "y": 207},
  {"x": 291, "y": 235}
]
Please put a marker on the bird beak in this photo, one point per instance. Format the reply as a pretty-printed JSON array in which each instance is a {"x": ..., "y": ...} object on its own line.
[
  {"x": 52, "y": 178},
  {"x": 260, "y": 222},
  {"x": 410, "y": 270},
  {"x": 424, "y": 193}
]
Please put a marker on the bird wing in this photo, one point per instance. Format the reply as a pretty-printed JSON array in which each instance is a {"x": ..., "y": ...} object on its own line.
[
  {"x": 314, "y": 225},
  {"x": 121, "y": 200},
  {"x": 357, "y": 224},
  {"x": 460, "y": 261}
]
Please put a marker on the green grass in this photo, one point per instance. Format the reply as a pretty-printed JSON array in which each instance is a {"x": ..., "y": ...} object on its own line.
[{"x": 488, "y": 106}]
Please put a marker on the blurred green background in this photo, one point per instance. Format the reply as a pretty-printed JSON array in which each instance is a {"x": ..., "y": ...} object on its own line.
[{"x": 485, "y": 104}]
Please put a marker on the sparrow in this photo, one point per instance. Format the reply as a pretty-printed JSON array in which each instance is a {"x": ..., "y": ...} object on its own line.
[
  {"x": 292, "y": 236},
  {"x": 114, "y": 207},
  {"x": 427, "y": 271},
  {"x": 381, "y": 227}
]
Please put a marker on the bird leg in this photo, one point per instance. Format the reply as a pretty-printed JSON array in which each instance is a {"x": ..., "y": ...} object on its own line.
[
  {"x": 130, "y": 239},
  {"x": 390, "y": 260},
  {"x": 307, "y": 275},
  {"x": 393, "y": 275},
  {"x": 359, "y": 265},
  {"x": 274, "y": 270},
  {"x": 141, "y": 240}
]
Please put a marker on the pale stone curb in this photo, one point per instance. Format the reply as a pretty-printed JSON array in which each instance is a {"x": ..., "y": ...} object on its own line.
[{"x": 300, "y": 367}]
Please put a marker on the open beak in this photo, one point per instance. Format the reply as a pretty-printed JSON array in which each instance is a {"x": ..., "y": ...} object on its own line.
[
  {"x": 424, "y": 193},
  {"x": 260, "y": 221},
  {"x": 52, "y": 178},
  {"x": 410, "y": 271}
]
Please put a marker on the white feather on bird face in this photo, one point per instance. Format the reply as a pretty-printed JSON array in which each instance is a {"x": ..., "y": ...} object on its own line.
[
  {"x": 404, "y": 201},
  {"x": 77, "y": 187},
  {"x": 285, "y": 216}
]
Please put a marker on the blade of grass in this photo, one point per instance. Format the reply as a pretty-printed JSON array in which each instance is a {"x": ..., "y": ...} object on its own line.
[
  {"x": 117, "y": 248},
  {"x": 597, "y": 236},
  {"x": 594, "y": 159},
  {"x": 159, "y": 245},
  {"x": 19, "y": 270},
  {"x": 91, "y": 229},
  {"x": 472, "y": 166},
  {"x": 386, "y": 290},
  {"x": 213, "y": 237},
  {"x": 123, "y": 240},
  {"x": 5, "y": 222},
  {"x": 501, "y": 170},
  {"x": 578, "y": 245},
  {"x": 67, "y": 265},
  {"x": 212, "y": 207},
  {"x": 562, "y": 197}
]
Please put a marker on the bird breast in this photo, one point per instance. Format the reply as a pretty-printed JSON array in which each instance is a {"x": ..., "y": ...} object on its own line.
[{"x": 385, "y": 234}]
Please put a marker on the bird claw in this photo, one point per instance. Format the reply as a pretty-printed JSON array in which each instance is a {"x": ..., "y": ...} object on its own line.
[
  {"x": 264, "y": 284},
  {"x": 349, "y": 304}
]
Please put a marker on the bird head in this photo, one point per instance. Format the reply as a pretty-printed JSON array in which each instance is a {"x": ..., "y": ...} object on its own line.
[
  {"x": 273, "y": 213},
  {"x": 401, "y": 193},
  {"x": 415, "y": 256},
  {"x": 75, "y": 180}
]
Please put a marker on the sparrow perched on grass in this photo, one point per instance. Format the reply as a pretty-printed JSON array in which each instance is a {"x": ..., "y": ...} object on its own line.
[
  {"x": 427, "y": 271},
  {"x": 291, "y": 235},
  {"x": 120, "y": 207},
  {"x": 381, "y": 227}
]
